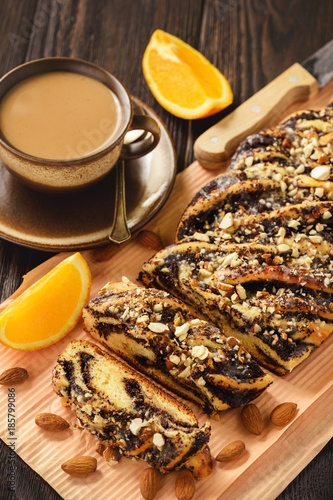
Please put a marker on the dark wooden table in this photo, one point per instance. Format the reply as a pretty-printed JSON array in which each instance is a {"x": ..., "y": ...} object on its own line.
[{"x": 250, "y": 41}]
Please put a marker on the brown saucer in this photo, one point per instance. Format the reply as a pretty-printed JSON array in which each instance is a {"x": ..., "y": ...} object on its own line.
[{"x": 83, "y": 220}]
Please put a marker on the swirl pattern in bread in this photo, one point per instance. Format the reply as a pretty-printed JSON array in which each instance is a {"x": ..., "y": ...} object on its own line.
[
  {"x": 280, "y": 167},
  {"x": 161, "y": 337},
  {"x": 128, "y": 412},
  {"x": 255, "y": 245}
]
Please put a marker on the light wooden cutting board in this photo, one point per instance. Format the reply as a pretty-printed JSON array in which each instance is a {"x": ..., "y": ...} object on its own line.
[{"x": 286, "y": 450}]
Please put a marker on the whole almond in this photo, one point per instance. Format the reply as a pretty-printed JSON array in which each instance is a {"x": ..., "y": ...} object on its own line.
[
  {"x": 51, "y": 422},
  {"x": 149, "y": 483},
  {"x": 150, "y": 240},
  {"x": 80, "y": 466},
  {"x": 252, "y": 419},
  {"x": 283, "y": 413},
  {"x": 13, "y": 376},
  {"x": 185, "y": 485},
  {"x": 231, "y": 451}
]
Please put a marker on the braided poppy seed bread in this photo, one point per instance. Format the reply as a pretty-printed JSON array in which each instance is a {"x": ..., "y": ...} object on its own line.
[
  {"x": 255, "y": 245},
  {"x": 159, "y": 336},
  {"x": 279, "y": 167},
  {"x": 279, "y": 313},
  {"x": 128, "y": 412}
]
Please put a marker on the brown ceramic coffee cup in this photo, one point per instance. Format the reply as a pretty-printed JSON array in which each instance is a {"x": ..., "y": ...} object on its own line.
[{"x": 72, "y": 174}]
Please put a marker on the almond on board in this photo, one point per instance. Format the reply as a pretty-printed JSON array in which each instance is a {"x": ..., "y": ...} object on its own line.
[
  {"x": 231, "y": 451},
  {"x": 150, "y": 240},
  {"x": 283, "y": 413},
  {"x": 252, "y": 419},
  {"x": 13, "y": 376},
  {"x": 185, "y": 485},
  {"x": 81, "y": 466},
  {"x": 51, "y": 422},
  {"x": 149, "y": 483}
]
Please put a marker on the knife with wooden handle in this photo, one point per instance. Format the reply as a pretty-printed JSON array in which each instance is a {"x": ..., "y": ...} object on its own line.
[{"x": 215, "y": 146}]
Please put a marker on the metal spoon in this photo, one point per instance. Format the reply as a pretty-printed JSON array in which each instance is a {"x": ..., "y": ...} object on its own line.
[{"x": 119, "y": 230}]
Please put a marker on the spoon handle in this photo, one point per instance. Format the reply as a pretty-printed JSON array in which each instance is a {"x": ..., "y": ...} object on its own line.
[{"x": 119, "y": 230}]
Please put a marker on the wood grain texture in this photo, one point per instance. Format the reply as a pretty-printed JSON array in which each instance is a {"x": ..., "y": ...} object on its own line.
[{"x": 250, "y": 41}]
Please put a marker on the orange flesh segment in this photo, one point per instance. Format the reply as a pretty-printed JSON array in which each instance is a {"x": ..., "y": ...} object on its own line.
[
  {"x": 47, "y": 310},
  {"x": 55, "y": 298},
  {"x": 176, "y": 92},
  {"x": 182, "y": 80},
  {"x": 212, "y": 85}
]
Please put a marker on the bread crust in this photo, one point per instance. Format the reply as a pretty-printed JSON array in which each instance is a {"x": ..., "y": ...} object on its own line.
[
  {"x": 161, "y": 337},
  {"x": 127, "y": 411},
  {"x": 264, "y": 226}
]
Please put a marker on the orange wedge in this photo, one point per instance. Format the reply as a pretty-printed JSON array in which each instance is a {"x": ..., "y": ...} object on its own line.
[
  {"x": 48, "y": 309},
  {"x": 182, "y": 80}
]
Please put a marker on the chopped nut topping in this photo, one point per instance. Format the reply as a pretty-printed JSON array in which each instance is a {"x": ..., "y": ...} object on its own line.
[
  {"x": 185, "y": 372},
  {"x": 323, "y": 158},
  {"x": 300, "y": 169},
  {"x": 201, "y": 236},
  {"x": 227, "y": 221},
  {"x": 181, "y": 331},
  {"x": 321, "y": 173},
  {"x": 158, "y": 327},
  {"x": 226, "y": 287},
  {"x": 199, "y": 351},
  {"x": 308, "y": 150},
  {"x": 136, "y": 425},
  {"x": 293, "y": 224},
  {"x": 241, "y": 292},
  {"x": 316, "y": 239},
  {"x": 283, "y": 248},
  {"x": 143, "y": 319},
  {"x": 158, "y": 440},
  {"x": 230, "y": 259},
  {"x": 319, "y": 192},
  {"x": 174, "y": 359},
  {"x": 268, "y": 230}
]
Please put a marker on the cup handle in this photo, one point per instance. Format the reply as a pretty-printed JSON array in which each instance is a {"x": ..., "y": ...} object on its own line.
[{"x": 141, "y": 147}]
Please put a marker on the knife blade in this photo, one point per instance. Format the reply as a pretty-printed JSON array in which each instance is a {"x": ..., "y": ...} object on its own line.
[{"x": 298, "y": 83}]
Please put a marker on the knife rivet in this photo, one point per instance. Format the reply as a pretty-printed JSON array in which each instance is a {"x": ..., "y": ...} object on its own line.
[
  {"x": 214, "y": 139},
  {"x": 256, "y": 109},
  {"x": 293, "y": 79}
]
